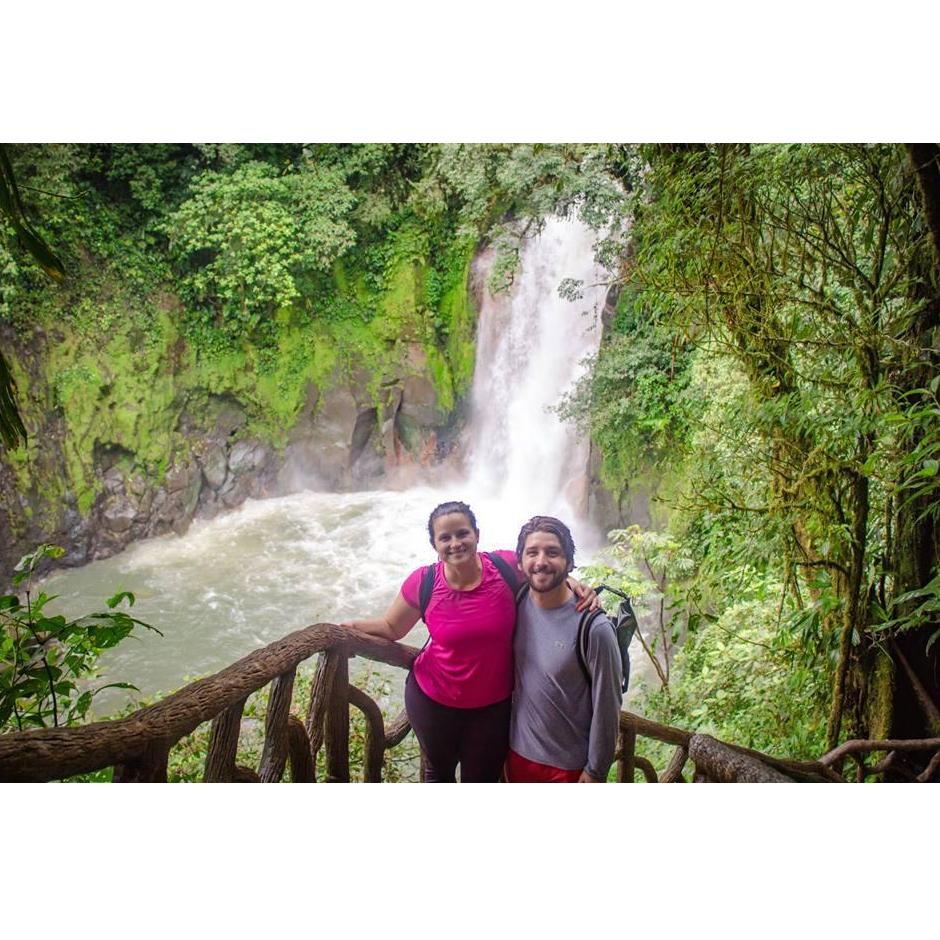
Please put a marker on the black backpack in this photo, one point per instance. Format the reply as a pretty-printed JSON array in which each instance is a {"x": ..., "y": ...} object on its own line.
[{"x": 623, "y": 622}]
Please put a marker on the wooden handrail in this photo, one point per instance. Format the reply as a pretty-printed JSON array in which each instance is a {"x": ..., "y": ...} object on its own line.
[
  {"x": 806, "y": 771},
  {"x": 54, "y": 753},
  {"x": 138, "y": 746}
]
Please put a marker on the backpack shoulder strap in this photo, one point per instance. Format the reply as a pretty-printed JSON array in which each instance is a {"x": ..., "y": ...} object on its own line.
[
  {"x": 584, "y": 626},
  {"x": 505, "y": 571},
  {"x": 426, "y": 589},
  {"x": 521, "y": 592}
]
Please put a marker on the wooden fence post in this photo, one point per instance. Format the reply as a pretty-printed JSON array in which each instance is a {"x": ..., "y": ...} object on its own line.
[
  {"x": 647, "y": 768},
  {"x": 150, "y": 767},
  {"x": 223, "y": 745},
  {"x": 336, "y": 732},
  {"x": 320, "y": 691},
  {"x": 626, "y": 764},
  {"x": 397, "y": 730},
  {"x": 302, "y": 769},
  {"x": 374, "y": 755},
  {"x": 673, "y": 773},
  {"x": 274, "y": 754}
]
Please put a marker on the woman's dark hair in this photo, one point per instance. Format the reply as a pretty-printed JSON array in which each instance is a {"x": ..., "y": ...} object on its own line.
[
  {"x": 554, "y": 527},
  {"x": 445, "y": 509}
]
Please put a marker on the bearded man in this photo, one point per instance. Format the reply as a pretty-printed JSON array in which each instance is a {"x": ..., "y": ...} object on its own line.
[{"x": 565, "y": 713}]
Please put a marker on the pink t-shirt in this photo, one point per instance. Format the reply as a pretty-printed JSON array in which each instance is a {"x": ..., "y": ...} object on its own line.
[{"x": 468, "y": 663}]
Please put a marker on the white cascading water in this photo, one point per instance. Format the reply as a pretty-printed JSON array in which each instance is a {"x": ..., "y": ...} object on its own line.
[
  {"x": 239, "y": 581},
  {"x": 524, "y": 460}
]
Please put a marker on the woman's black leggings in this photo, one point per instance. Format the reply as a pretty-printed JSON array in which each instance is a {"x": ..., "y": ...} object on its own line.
[{"x": 475, "y": 738}]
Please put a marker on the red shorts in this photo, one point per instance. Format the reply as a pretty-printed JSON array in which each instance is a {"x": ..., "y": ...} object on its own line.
[{"x": 520, "y": 769}]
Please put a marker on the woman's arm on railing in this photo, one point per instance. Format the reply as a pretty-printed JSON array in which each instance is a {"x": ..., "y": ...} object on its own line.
[{"x": 395, "y": 624}]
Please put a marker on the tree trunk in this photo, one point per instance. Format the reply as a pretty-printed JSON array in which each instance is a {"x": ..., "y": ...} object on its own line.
[
  {"x": 925, "y": 159},
  {"x": 916, "y": 544}
]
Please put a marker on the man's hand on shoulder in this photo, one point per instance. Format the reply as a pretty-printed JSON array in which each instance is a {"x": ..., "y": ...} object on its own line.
[{"x": 586, "y": 595}]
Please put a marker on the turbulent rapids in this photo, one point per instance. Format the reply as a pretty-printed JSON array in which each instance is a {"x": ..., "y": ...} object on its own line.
[{"x": 247, "y": 578}]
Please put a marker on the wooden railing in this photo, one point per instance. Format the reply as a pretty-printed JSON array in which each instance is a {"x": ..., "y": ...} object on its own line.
[
  {"x": 138, "y": 746},
  {"x": 720, "y": 762}
]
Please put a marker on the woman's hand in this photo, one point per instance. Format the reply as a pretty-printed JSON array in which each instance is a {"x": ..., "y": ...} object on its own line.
[
  {"x": 587, "y": 596},
  {"x": 377, "y": 627}
]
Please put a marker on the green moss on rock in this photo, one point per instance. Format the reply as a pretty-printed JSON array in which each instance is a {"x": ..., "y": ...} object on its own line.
[
  {"x": 115, "y": 370},
  {"x": 459, "y": 318}
]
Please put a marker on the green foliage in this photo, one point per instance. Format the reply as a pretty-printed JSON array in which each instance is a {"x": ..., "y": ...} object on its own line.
[
  {"x": 913, "y": 609},
  {"x": 12, "y": 431},
  {"x": 243, "y": 239},
  {"x": 655, "y": 570},
  {"x": 740, "y": 679},
  {"x": 156, "y": 176},
  {"x": 11, "y": 205},
  {"x": 46, "y": 662},
  {"x": 772, "y": 353},
  {"x": 13, "y": 217},
  {"x": 635, "y": 398},
  {"x": 505, "y": 191},
  {"x": 263, "y": 240}
]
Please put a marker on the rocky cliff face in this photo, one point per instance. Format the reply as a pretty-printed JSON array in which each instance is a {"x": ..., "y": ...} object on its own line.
[{"x": 344, "y": 437}]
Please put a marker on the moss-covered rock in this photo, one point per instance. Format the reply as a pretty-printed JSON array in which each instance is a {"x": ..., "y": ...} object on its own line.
[{"x": 135, "y": 428}]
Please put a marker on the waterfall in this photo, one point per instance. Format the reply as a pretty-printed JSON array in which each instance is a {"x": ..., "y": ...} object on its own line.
[{"x": 531, "y": 349}]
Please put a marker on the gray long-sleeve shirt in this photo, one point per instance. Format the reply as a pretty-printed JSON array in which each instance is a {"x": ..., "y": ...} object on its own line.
[{"x": 557, "y": 718}]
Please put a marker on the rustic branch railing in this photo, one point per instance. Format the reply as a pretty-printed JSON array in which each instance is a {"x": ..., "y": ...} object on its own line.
[
  {"x": 720, "y": 762},
  {"x": 138, "y": 746}
]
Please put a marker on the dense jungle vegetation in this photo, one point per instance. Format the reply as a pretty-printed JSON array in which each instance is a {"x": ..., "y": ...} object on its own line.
[
  {"x": 774, "y": 364},
  {"x": 769, "y": 375},
  {"x": 253, "y": 269}
]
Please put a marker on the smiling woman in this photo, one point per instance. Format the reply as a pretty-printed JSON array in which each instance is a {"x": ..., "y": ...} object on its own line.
[{"x": 458, "y": 693}]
